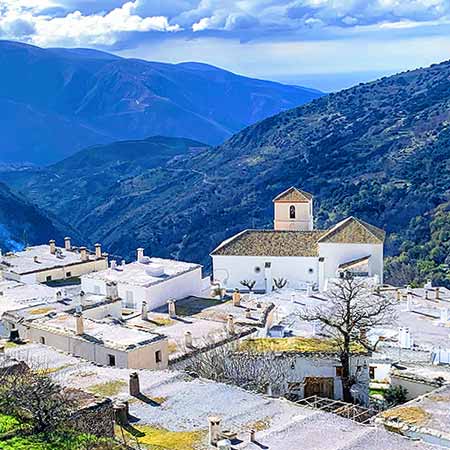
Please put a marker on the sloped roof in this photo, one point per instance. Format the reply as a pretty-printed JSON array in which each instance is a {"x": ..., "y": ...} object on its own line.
[
  {"x": 293, "y": 195},
  {"x": 271, "y": 243},
  {"x": 355, "y": 263},
  {"x": 353, "y": 231}
]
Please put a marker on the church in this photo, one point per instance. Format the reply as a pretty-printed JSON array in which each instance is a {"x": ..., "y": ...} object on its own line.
[{"x": 295, "y": 251}]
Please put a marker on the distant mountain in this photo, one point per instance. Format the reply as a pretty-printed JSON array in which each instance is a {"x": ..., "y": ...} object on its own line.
[
  {"x": 54, "y": 102},
  {"x": 379, "y": 151},
  {"x": 21, "y": 222}
]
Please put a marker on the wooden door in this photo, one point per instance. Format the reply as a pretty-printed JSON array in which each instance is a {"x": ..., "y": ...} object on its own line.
[{"x": 320, "y": 386}]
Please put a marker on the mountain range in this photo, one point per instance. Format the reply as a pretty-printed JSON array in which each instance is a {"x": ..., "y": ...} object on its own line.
[
  {"x": 379, "y": 151},
  {"x": 54, "y": 102}
]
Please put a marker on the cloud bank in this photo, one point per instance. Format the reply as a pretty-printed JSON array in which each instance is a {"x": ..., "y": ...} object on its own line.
[{"x": 115, "y": 23}]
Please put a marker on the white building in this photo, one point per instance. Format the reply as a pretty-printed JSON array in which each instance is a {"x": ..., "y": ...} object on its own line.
[
  {"x": 298, "y": 253},
  {"x": 153, "y": 280},
  {"x": 44, "y": 263}
]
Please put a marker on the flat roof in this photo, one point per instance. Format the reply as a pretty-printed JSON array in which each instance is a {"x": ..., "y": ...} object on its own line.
[
  {"x": 108, "y": 333},
  {"x": 186, "y": 404},
  {"x": 146, "y": 274},
  {"x": 38, "y": 258}
]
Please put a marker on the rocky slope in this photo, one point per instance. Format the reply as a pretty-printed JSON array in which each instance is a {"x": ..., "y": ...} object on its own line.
[{"x": 57, "y": 101}]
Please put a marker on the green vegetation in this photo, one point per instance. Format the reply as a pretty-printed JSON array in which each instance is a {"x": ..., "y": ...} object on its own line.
[
  {"x": 8, "y": 423},
  {"x": 294, "y": 344},
  {"x": 395, "y": 395},
  {"x": 108, "y": 389},
  {"x": 161, "y": 439}
]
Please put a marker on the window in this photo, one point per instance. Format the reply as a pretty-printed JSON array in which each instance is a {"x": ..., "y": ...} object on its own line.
[
  {"x": 310, "y": 270},
  {"x": 372, "y": 372},
  {"x": 42, "y": 340},
  {"x": 49, "y": 278},
  {"x": 68, "y": 274},
  {"x": 339, "y": 371},
  {"x": 111, "y": 360},
  {"x": 292, "y": 212},
  {"x": 158, "y": 356}
]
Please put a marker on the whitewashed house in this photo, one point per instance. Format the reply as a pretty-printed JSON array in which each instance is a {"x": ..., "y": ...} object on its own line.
[
  {"x": 294, "y": 250},
  {"x": 153, "y": 280}
]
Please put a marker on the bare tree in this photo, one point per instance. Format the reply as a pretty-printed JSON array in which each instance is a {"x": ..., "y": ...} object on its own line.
[
  {"x": 351, "y": 311},
  {"x": 280, "y": 283},
  {"x": 250, "y": 284}
]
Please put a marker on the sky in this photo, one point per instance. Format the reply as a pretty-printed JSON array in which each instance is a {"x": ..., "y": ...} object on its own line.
[{"x": 326, "y": 44}]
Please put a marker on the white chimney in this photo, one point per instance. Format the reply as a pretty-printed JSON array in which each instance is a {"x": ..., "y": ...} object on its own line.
[
  {"x": 84, "y": 254},
  {"x": 139, "y": 254},
  {"x": 230, "y": 324},
  {"x": 112, "y": 290},
  {"x": 79, "y": 324},
  {"x": 144, "y": 313},
  {"x": 214, "y": 430},
  {"x": 236, "y": 298},
  {"x": 428, "y": 284},
  {"x": 309, "y": 290},
  {"x": 172, "y": 309},
  {"x": 58, "y": 295},
  {"x": 52, "y": 247},
  {"x": 123, "y": 263},
  {"x": 438, "y": 293},
  {"x": 404, "y": 338},
  {"x": 409, "y": 301},
  {"x": 188, "y": 339},
  {"x": 98, "y": 251},
  {"x": 67, "y": 243},
  {"x": 113, "y": 264}
]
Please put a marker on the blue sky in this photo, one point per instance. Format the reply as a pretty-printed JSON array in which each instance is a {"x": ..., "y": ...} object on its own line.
[{"x": 288, "y": 40}]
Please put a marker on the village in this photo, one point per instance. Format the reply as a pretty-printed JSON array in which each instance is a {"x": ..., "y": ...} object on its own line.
[{"x": 294, "y": 336}]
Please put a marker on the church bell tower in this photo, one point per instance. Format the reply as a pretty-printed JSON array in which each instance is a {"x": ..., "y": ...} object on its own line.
[{"x": 293, "y": 211}]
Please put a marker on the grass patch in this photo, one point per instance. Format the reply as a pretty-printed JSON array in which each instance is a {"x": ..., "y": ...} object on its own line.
[
  {"x": 412, "y": 415},
  {"x": 161, "y": 321},
  {"x": 50, "y": 370},
  {"x": 108, "y": 389},
  {"x": 260, "y": 425},
  {"x": 161, "y": 439},
  {"x": 377, "y": 391},
  {"x": 294, "y": 344},
  {"x": 9, "y": 423}
]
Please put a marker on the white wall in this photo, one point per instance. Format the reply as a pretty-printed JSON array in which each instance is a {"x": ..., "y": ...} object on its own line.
[
  {"x": 336, "y": 254},
  {"x": 184, "y": 285},
  {"x": 230, "y": 270}
]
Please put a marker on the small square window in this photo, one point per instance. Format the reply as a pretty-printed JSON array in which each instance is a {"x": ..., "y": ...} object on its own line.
[
  {"x": 49, "y": 278},
  {"x": 68, "y": 274},
  {"x": 158, "y": 356},
  {"x": 339, "y": 371},
  {"x": 42, "y": 340},
  {"x": 372, "y": 372},
  {"x": 111, "y": 360}
]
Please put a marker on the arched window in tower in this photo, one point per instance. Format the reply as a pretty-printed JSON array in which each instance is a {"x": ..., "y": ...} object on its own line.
[{"x": 292, "y": 212}]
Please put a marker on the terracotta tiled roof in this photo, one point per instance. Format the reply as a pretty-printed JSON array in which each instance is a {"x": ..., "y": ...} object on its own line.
[
  {"x": 353, "y": 231},
  {"x": 293, "y": 195},
  {"x": 271, "y": 243}
]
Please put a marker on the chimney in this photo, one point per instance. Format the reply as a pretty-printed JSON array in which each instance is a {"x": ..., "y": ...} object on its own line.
[
  {"x": 79, "y": 324},
  {"x": 123, "y": 263},
  {"x": 427, "y": 294},
  {"x": 113, "y": 264},
  {"x": 67, "y": 244},
  {"x": 409, "y": 301},
  {"x": 58, "y": 295},
  {"x": 438, "y": 293},
  {"x": 144, "y": 312},
  {"x": 172, "y": 309},
  {"x": 248, "y": 313},
  {"x": 428, "y": 284},
  {"x": 252, "y": 436},
  {"x": 139, "y": 254},
  {"x": 98, "y": 251},
  {"x": 230, "y": 324},
  {"x": 188, "y": 339},
  {"x": 52, "y": 247},
  {"x": 404, "y": 338},
  {"x": 309, "y": 290},
  {"x": 135, "y": 389},
  {"x": 83, "y": 254},
  {"x": 236, "y": 297},
  {"x": 112, "y": 290},
  {"x": 214, "y": 430},
  {"x": 82, "y": 295},
  {"x": 399, "y": 295}
]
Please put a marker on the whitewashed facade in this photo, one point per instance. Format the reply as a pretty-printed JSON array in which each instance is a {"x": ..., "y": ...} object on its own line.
[{"x": 298, "y": 253}]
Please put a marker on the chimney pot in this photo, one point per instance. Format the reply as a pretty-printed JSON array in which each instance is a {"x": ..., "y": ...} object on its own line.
[
  {"x": 67, "y": 243},
  {"x": 172, "y": 309},
  {"x": 135, "y": 389},
  {"x": 83, "y": 254},
  {"x": 52, "y": 247},
  {"x": 144, "y": 313},
  {"x": 79, "y": 324}
]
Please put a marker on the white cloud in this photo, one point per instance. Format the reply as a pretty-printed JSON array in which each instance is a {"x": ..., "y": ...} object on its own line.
[{"x": 28, "y": 20}]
